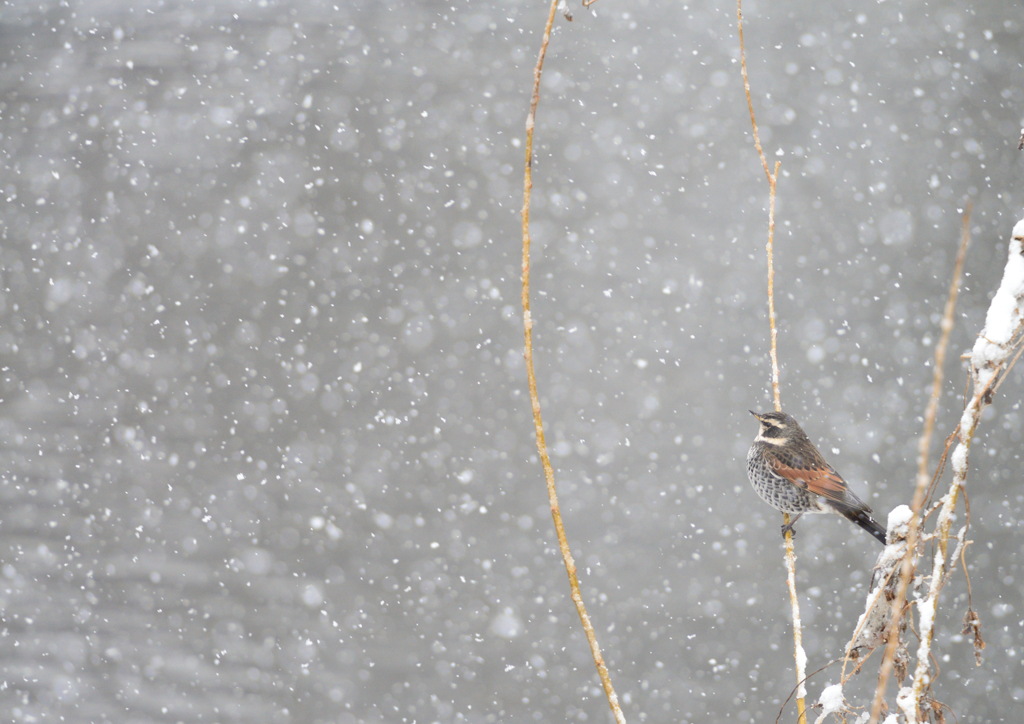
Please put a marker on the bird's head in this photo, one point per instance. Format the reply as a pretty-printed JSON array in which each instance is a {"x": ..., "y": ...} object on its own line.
[{"x": 777, "y": 427}]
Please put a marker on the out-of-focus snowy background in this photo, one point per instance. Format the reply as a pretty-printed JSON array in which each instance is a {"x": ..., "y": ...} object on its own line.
[{"x": 266, "y": 446}]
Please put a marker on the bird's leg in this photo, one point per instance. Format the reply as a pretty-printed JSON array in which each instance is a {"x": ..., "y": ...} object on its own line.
[{"x": 788, "y": 528}]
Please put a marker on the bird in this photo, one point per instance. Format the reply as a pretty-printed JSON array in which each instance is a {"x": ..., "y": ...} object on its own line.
[{"x": 789, "y": 474}]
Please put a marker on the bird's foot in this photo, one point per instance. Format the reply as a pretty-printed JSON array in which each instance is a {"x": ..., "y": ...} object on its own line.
[{"x": 788, "y": 527}]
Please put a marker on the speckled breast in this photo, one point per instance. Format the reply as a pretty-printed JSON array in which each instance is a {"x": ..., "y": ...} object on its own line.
[{"x": 777, "y": 491}]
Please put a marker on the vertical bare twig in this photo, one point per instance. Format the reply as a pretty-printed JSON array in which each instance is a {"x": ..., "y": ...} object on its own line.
[
  {"x": 771, "y": 272},
  {"x": 750, "y": 103},
  {"x": 923, "y": 478},
  {"x": 542, "y": 448},
  {"x": 799, "y": 656}
]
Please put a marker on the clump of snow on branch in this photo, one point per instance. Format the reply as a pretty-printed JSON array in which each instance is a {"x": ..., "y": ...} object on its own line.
[
  {"x": 899, "y": 516},
  {"x": 906, "y": 701},
  {"x": 801, "y": 669},
  {"x": 831, "y": 701},
  {"x": 865, "y": 717},
  {"x": 1004, "y": 314}
]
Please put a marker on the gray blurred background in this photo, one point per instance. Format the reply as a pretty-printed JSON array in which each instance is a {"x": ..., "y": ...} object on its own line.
[{"x": 267, "y": 453}]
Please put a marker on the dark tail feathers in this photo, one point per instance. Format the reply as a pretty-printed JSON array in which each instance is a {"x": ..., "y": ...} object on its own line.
[{"x": 864, "y": 520}]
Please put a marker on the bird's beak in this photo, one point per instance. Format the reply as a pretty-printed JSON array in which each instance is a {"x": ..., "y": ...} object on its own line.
[{"x": 754, "y": 414}]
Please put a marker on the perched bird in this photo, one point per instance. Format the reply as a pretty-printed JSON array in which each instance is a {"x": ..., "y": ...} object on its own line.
[{"x": 789, "y": 474}]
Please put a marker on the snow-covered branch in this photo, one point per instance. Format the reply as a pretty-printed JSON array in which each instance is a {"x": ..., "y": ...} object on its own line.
[
  {"x": 873, "y": 623},
  {"x": 994, "y": 353},
  {"x": 991, "y": 357}
]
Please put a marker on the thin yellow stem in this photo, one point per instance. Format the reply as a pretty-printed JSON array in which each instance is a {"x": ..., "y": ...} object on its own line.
[
  {"x": 771, "y": 287},
  {"x": 746, "y": 87},
  {"x": 800, "y": 658},
  {"x": 542, "y": 448},
  {"x": 923, "y": 478}
]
